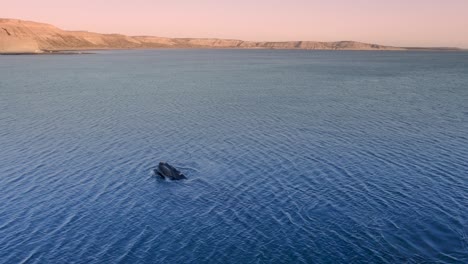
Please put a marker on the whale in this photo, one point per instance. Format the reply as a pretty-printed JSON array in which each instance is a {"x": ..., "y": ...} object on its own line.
[{"x": 167, "y": 171}]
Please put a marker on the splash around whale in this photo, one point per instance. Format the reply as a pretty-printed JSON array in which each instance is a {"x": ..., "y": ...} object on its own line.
[{"x": 167, "y": 171}]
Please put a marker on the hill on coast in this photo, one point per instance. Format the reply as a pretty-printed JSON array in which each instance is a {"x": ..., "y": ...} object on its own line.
[{"x": 19, "y": 36}]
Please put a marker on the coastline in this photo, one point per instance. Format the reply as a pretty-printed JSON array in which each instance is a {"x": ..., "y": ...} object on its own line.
[
  {"x": 90, "y": 51},
  {"x": 47, "y": 53},
  {"x": 19, "y": 37}
]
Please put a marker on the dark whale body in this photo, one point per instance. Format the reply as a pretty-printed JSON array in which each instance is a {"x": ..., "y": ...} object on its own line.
[{"x": 167, "y": 171}]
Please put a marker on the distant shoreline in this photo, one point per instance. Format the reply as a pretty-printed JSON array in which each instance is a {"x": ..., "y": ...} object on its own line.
[
  {"x": 58, "y": 52},
  {"x": 27, "y": 37},
  {"x": 90, "y": 51}
]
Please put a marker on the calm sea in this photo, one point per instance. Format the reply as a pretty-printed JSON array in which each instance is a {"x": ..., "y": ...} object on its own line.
[{"x": 292, "y": 157}]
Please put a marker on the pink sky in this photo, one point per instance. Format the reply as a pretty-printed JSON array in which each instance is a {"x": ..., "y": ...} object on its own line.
[{"x": 389, "y": 22}]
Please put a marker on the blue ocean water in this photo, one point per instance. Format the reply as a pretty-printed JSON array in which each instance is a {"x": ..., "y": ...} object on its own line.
[{"x": 292, "y": 157}]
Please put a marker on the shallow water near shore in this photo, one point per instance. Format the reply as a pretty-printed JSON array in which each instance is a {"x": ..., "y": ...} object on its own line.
[{"x": 291, "y": 156}]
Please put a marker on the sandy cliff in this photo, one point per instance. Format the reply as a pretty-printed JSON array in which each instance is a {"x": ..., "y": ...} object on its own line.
[{"x": 18, "y": 36}]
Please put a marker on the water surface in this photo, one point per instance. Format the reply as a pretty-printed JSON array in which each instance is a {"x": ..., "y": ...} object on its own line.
[{"x": 292, "y": 156}]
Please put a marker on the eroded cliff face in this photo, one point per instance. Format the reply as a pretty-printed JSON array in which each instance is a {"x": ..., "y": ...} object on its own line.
[
  {"x": 18, "y": 45},
  {"x": 15, "y": 39},
  {"x": 17, "y": 36}
]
